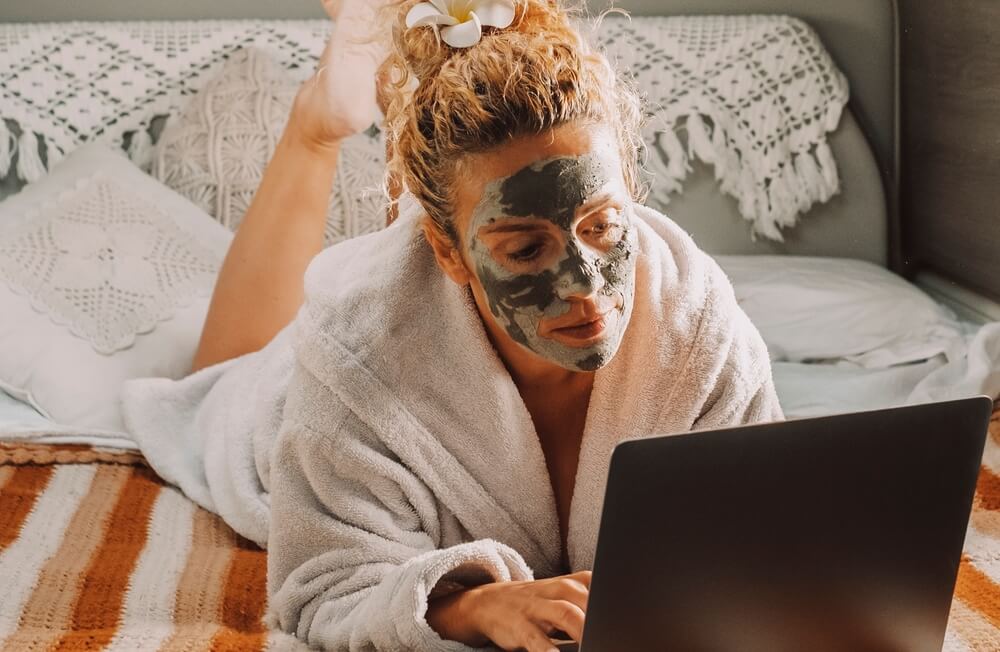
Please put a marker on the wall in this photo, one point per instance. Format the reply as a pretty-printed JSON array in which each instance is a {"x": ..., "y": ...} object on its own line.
[{"x": 950, "y": 86}]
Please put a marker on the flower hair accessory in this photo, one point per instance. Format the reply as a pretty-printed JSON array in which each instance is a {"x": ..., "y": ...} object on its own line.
[{"x": 460, "y": 22}]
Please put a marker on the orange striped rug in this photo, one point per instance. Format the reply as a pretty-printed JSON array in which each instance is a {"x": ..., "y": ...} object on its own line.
[{"x": 97, "y": 553}]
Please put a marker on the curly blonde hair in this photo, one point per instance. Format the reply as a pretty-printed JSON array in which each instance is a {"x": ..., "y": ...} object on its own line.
[{"x": 535, "y": 75}]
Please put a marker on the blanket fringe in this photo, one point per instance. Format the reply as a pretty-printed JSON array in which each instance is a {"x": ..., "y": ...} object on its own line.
[
  {"x": 6, "y": 148},
  {"x": 721, "y": 146},
  {"x": 807, "y": 169},
  {"x": 677, "y": 164},
  {"x": 29, "y": 159},
  {"x": 657, "y": 154},
  {"x": 806, "y": 178},
  {"x": 140, "y": 148},
  {"x": 828, "y": 166},
  {"x": 797, "y": 186},
  {"x": 699, "y": 143}
]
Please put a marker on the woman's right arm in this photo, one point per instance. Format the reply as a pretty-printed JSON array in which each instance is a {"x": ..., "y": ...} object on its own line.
[
  {"x": 355, "y": 549},
  {"x": 259, "y": 288}
]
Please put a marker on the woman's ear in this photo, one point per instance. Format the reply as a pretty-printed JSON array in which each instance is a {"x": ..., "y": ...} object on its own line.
[{"x": 446, "y": 253}]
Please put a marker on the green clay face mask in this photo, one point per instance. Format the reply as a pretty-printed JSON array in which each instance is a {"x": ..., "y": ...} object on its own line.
[{"x": 554, "y": 190}]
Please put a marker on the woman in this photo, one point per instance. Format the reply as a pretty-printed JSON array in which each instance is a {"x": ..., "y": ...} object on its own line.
[{"x": 439, "y": 416}]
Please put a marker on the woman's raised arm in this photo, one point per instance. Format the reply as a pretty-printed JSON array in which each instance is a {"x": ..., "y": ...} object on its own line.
[{"x": 259, "y": 288}]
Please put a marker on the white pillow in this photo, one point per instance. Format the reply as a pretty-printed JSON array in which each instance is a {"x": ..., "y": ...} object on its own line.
[
  {"x": 105, "y": 275},
  {"x": 810, "y": 309}
]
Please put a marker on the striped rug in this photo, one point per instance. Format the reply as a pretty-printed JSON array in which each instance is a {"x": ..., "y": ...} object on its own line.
[{"x": 97, "y": 553}]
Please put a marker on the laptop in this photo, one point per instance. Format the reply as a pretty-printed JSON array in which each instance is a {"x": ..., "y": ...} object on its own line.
[{"x": 840, "y": 533}]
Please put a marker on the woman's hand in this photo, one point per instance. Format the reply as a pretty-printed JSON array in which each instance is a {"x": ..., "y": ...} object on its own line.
[
  {"x": 339, "y": 99},
  {"x": 514, "y": 615}
]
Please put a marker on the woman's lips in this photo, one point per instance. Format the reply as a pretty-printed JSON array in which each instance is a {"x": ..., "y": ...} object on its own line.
[{"x": 582, "y": 333}]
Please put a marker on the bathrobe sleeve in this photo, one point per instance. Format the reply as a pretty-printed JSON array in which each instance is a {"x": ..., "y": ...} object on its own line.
[
  {"x": 355, "y": 546},
  {"x": 739, "y": 385}
]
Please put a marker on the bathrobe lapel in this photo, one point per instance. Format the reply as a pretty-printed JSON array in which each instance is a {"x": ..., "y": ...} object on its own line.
[
  {"x": 420, "y": 372},
  {"x": 633, "y": 394}
]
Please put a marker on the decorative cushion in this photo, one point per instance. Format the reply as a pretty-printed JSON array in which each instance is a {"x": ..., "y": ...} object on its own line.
[
  {"x": 105, "y": 275},
  {"x": 215, "y": 152}
]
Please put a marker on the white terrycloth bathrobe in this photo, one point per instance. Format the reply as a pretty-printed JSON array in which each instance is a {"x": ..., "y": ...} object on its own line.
[{"x": 380, "y": 449}]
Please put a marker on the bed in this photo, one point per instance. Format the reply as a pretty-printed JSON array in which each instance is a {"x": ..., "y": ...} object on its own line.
[{"x": 102, "y": 554}]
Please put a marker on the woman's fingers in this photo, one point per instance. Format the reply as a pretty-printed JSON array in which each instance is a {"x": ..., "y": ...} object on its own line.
[
  {"x": 520, "y": 615},
  {"x": 562, "y": 615},
  {"x": 567, "y": 588},
  {"x": 535, "y": 640}
]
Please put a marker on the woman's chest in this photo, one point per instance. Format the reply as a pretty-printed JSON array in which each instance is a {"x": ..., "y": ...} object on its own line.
[{"x": 560, "y": 427}]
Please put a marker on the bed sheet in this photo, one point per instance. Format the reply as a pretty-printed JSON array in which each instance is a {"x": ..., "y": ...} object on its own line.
[
  {"x": 19, "y": 421},
  {"x": 970, "y": 367}
]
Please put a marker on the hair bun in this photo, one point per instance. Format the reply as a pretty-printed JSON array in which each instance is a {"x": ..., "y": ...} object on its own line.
[
  {"x": 535, "y": 74},
  {"x": 425, "y": 53}
]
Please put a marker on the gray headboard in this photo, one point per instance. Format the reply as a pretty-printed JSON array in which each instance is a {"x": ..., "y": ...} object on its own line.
[{"x": 860, "y": 34}]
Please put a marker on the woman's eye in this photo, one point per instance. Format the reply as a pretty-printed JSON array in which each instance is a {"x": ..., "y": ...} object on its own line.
[
  {"x": 603, "y": 230},
  {"x": 525, "y": 254}
]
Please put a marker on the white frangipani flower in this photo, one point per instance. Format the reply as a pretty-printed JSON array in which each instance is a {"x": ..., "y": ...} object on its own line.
[{"x": 460, "y": 22}]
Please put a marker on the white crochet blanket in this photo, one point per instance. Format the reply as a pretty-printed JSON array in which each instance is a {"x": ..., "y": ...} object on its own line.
[
  {"x": 63, "y": 84},
  {"x": 754, "y": 95}
]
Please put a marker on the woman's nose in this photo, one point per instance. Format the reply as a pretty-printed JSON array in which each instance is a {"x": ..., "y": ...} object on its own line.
[{"x": 580, "y": 279}]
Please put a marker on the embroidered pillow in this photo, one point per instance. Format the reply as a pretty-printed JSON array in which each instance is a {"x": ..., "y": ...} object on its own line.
[
  {"x": 215, "y": 152},
  {"x": 105, "y": 275}
]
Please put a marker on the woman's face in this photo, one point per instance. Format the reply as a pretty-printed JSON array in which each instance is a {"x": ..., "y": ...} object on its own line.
[{"x": 546, "y": 236}]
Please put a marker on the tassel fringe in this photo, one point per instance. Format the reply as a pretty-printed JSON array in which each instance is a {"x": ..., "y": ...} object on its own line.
[
  {"x": 27, "y": 149},
  {"x": 699, "y": 144},
  {"x": 662, "y": 164},
  {"x": 29, "y": 159},
  {"x": 6, "y": 148},
  {"x": 829, "y": 169},
  {"x": 769, "y": 204},
  {"x": 808, "y": 172},
  {"x": 677, "y": 164},
  {"x": 140, "y": 149}
]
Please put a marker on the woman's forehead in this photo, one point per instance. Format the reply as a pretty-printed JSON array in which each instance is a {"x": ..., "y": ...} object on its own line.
[
  {"x": 538, "y": 175},
  {"x": 552, "y": 188}
]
